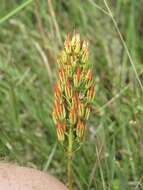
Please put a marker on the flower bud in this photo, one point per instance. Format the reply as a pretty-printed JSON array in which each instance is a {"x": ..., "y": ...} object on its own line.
[
  {"x": 64, "y": 126},
  {"x": 89, "y": 79},
  {"x": 55, "y": 118},
  {"x": 68, "y": 70},
  {"x": 77, "y": 48},
  {"x": 84, "y": 46},
  {"x": 68, "y": 90},
  {"x": 75, "y": 101},
  {"x": 58, "y": 93},
  {"x": 87, "y": 113},
  {"x": 89, "y": 75},
  {"x": 60, "y": 132},
  {"x": 84, "y": 58},
  {"x": 68, "y": 44},
  {"x": 80, "y": 109},
  {"x": 60, "y": 111},
  {"x": 75, "y": 39},
  {"x": 63, "y": 58},
  {"x": 91, "y": 93},
  {"x": 80, "y": 129},
  {"x": 75, "y": 42},
  {"x": 62, "y": 75},
  {"x": 72, "y": 116},
  {"x": 77, "y": 78},
  {"x": 61, "y": 86}
]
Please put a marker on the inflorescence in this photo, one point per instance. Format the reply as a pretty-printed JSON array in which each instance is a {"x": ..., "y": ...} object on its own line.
[{"x": 75, "y": 89}]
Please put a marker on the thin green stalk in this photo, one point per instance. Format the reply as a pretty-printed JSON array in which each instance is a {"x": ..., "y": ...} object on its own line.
[
  {"x": 124, "y": 43},
  {"x": 15, "y": 11},
  {"x": 69, "y": 162}
]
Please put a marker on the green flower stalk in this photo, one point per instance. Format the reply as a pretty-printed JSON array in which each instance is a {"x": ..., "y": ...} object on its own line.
[{"x": 74, "y": 95}]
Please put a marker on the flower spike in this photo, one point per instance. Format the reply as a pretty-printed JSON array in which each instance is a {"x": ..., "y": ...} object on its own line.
[
  {"x": 75, "y": 89},
  {"x": 74, "y": 96}
]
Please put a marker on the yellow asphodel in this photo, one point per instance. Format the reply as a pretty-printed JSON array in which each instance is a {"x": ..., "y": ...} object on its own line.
[{"x": 74, "y": 94}]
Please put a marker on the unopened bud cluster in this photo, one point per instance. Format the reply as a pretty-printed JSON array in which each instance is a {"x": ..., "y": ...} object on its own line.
[{"x": 75, "y": 89}]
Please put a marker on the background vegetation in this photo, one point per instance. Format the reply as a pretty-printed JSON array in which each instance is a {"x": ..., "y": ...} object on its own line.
[{"x": 31, "y": 35}]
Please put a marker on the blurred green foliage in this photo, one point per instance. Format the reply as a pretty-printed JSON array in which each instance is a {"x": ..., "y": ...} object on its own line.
[{"x": 30, "y": 39}]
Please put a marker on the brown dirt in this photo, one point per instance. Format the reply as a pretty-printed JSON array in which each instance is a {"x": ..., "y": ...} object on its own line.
[{"x": 20, "y": 178}]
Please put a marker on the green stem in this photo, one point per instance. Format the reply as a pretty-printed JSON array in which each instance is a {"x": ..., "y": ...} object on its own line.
[
  {"x": 69, "y": 163},
  {"x": 15, "y": 11}
]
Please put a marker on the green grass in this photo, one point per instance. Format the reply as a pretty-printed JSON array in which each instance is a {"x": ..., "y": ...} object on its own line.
[{"x": 30, "y": 38}]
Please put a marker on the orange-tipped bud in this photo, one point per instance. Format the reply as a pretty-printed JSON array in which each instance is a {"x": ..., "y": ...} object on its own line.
[
  {"x": 64, "y": 126},
  {"x": 91, "y": 93},
  {"x": 72, "y": 116},
  {"x": 68, "y": 90},
  {"x": 75, "y": 42},
  {"x": 89, "y": 75},
  {"x": 60, "y": 132},
  {"x": 89, "y": 79},
  {"x": 68, "y": 44},
  {"x": 78, "y": 73},
  {"x": 85, "y": 56},
  {"x": 62, "y": 75},
  {"x": 87, "y": 113},
  {"x": 77, "y": 77},
  {"x": 60, "y": 111},
  {"x": 80, "y": 129},
  {"x": 75, "y": 101},
  {"x": 58, "y": 93},
  {"x": 80, "y": 109}
]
